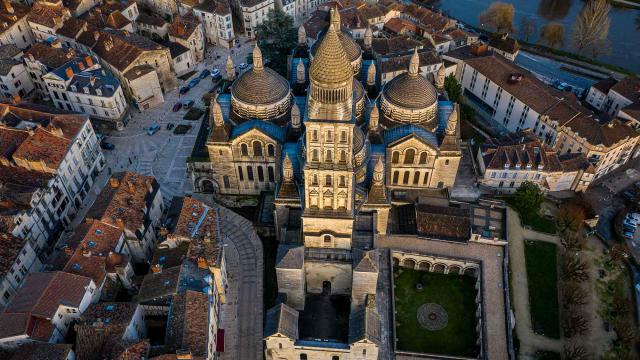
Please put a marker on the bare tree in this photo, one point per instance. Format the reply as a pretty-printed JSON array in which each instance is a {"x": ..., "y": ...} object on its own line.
[
  {"x": 573, "y": 295},
  {"x": 498, "y": 16},
  {"x": 552, "y": 35},
  {"x": 571, "y": 216},
  {"x": 527, "y": 28},
  {"x": 575, "y": 352},
  {"x": 591, "y": 28},
  {"x": 574, "y": 268},
  {"x": 574, "y": 323}
]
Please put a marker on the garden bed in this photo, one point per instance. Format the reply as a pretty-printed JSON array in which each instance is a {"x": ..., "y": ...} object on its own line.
[{"x": 542, "y": 279}]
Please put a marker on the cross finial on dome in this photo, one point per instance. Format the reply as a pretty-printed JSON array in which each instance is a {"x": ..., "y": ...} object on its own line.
[
  {"x": 257, "y": 58},
  {"x": 302, "y": 35},
  {"x": 414, "y": 64},
  {"x": 335, "y": 18}
]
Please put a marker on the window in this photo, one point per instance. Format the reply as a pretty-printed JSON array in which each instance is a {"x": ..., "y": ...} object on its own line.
[
  {"x": 314, "y": 155},
  {"x": 329, "y": 156},
  {"x": 225, "y": 180},
  {"x": 423, "y": 158},
  {"x": 343, "y": 156},
  {"x": 303, "y": 356},
  {"x": 425, "y": 179},
  {"x": 446, "y": 162},
  {"x": 329, "y": 136},
  {"x": 405, "y": 178},
  {"x": 315, "y": 180},
  {"x": 271, "y": 173},
  {"x": 343, "y": 181},
  {"x": 244, "y": 150},
  {"x": 249, "y": 173},
  {"x": 260, "y": 174},
  {"x": 335, "y": 357},
  {"x": 327, "y": 180},
  {"x": 271, "y": 150},
  {"x": 416, "y": 178},
  {"x": 327, "y": 239},
  {"x": 409, "y": 156},
  {"x": 314, "y": 137},
  {"x": 395, "y": 177},
  {"x": 257, "y": 148},
  {"x": 343, "y": 136},
  {"x": 240, "y": 174},
  {"x": 395, "y": 157}
]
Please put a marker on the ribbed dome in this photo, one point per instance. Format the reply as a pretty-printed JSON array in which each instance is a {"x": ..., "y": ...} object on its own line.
[
  {"x": 331, "y": 64},
  {"x": 351, "y": 47},
  {"x": 410, "y": 92},
  {"x": 260, "y": 87}
]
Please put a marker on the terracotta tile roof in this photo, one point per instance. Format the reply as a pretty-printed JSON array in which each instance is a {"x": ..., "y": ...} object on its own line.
[
  {"x": 394, "y": 45},
  {"x": 18, "y": 186},
  {"x": 444, "y": 223},
  {"x": 170, "y": 257},
  {"x": 9, "y": 51},
  {"x": 150, "y": 20},
  {"x": 601, "y": 134},
  {"x": 398, "y": 26},
  {"x": 430, "y": 20},
  {"x": 46, "y": 15},
  {"x": 113, "y": 5},
  {"x": 187, "y": 326},
  {"x": 138, "y": 350},
  {"x": 101, "y": 19},
  {"x": 504, "y": 43},
  {"x": 605, "y": 85},
  {"x": 519, "y": 151},
  {"x": 183, "y": 26},
  {"x": 42, "y": 351},
  {"x": 120, "y": 49},
  {"x": 219, "y": 7},
  {"x": 50, "y": 56},
  {"x": 632, "y": 110},
  {"x": 10, "y": 139},
  {"x": 138, "y": 71},
  {"x": 10, "y": 247},
  {"x": 14, "y": 324},
  {"x": 60, "y": 122},
  {"x": 42, "y": 329},
  {"x": 628, "y": 87},
  {"x": 189, "y": 3},
  {"x": 160, "y": 286},
  {"x": 575, "y": 162},
  {"x": 72, "y": 27},
  {"x": 371, "y": 11},
  {"x": 8, "y": 17},
  {"x": 124, "y": 199},
  {"x": 401, "y": 62},
  {"x": 43, "y": 146}
]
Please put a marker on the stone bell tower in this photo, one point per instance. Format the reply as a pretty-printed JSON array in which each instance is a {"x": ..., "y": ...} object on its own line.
[{"x": 329, "y": 155}]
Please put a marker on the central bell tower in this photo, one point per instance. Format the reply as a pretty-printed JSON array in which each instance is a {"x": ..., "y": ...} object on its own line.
[{"x": 329, "y": 178}]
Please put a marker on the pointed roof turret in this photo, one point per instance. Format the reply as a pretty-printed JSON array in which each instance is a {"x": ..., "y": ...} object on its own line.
[
  {"x": 368, "y": 37},
  {"x": 216, "y": 112},
  {"x": 440, "y": 77},
  {"x": 287, "y": 168},
  {"x": 335, "y": 18},
  {"x": 378, "y": 172},
  {"x": 452, "y": 122},
  {"x": 414, "y": 64},
  {"x": 295, "y": 118},
  {"x": 300, "y": 74},
  {"x": 371, "y": 75},
  {"x": 231, "y": 72},
  {"x": 374, "y": 119},
  {"x": 257, "y": 58},
  {"x": 302, "y": 35}
]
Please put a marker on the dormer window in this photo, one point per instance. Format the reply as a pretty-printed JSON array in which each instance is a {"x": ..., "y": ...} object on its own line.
[
  {"x": 518, "y": 166},
  {"x": 540, "y": 166},
  {"x": 507, "y": 165},
  {"x": 74, "y": 88},
  {"x": 86, "y": 90},
  {"x": 99, "y": 92},
  {"x": 528, "y": 166}
]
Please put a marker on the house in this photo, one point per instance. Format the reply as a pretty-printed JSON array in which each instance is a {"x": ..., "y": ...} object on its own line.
[
  {"x": 47, "y": 170},
  {"x": 79, "y": 7},
  {"x": 46, "y": 18},
  {"x": 105, "y": 329},
  {"x": 82, "y": 85},
  {"x": 181, "y": 56},
  {"x": 17, "y": 259},
  {"x": 144, "y": 86},
  {"x": 39, "y": 351},
  {"x": 44, "y": 308},
  {"x": 153, "y": 27},
  {"x": 254, "y": 13},
  {"x": 14, "y": 27},
  {"x": 132, "y": 202},
  {"x": 112, "y": 20},
  {"x": 42, "y": 58},
  {"x": 391, "y": 66},
  {"x": 400, "y": 26},
  {"x": 14, "y": 77},
  {"x": 617, "y": 98},
  {"x": 187, "y": 31},
  {"x": 598, "y": 92},
  {"x": 217, "y": 21},
  {"x": 506, "y": 162},
  {"x": 504, "y": 45}
]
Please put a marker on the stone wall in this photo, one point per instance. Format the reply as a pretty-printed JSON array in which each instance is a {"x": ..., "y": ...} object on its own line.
[{"x": 339, "y": 274}]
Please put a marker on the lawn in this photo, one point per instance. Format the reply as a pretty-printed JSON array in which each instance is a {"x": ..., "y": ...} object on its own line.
[
  {"x": 456, "y": 293},
  {"x": 542, "y": 276},
  {"x": 536, "y": 221}
]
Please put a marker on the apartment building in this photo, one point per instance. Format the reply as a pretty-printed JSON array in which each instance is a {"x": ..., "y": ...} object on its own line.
[
  {"x": 49, "y": 163},
  {"x": 506, "y": 162},
  {"x": 181, "y": 56},
  {"x": 14, "y": 77},
  {"x": 254, "y": 13},
  {"x": 44, "y": 309},
  {"x": 14, "y": 28},
  {"x": 82, "y": 85},
  {"x": 153, "y": 27},
  {"x": 187, "y": 31},
  {"x": 216, "y": 19},
  {"x": 617, "y": 98},
  {"x": 46, "y": 18},
  {"x": 17, "y": 259}
]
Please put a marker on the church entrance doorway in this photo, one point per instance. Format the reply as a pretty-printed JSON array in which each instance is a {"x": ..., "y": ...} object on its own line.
[{"x": 326, "y": 288}]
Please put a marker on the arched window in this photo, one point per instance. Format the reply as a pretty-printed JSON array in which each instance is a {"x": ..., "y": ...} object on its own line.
[
  {"x": 260, "y": 174},
  {"x": 409, "y": 156},
  {"x": 416, "y": 178},
  {"x": 327, "y": 180},
  {"x": 423, "y": 158},
  {"x": 303, "y": 356},
  {"x": 250, "y": 173},
  {"x": 395, "y": 177},
  {"x": 395, "y": 158},
  {"x": 272, "y": 177},
  {"x": 405, "y": 178},
  {"x": 257, "y": 148},
  {"x": 314, "y": 155},
  {"x": 225, "y": 180},
  {"x": 327, "y": 239},
  {"x": 244, "y": 149},
  {"x": 329, "y": 157},
  {"x": 425, "y": 179},
  {"x": 271, "y": 150},
  {"x": 240, "y": 174}
]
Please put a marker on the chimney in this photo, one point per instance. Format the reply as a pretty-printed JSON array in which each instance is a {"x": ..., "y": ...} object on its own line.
[
  {"x": 131, "y": 186},
  {"x": 156, "y": 269},
  {"x": 89, "y": 61},
  {"x": 120, "y": 223},
  {"x": 86, "y": 252},
  {"x": 69, "y": 72},
  {"x": 8, "y": 7},
  {"x": 115, "y": 183}
]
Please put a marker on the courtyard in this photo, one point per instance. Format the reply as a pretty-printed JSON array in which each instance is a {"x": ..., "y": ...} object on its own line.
[{"x": 435, "y": 313}]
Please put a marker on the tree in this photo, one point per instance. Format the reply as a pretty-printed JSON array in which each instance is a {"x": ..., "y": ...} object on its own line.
[
  {"x": 277, "y": 38},
  {"x": 527, "y": 28},
  {"x": 528, "y": 197},
  {"x": 575, "y": 352},
  {"x": 591, "y": 28},
  {"x": 572, "y": 241},
  {"x": 552, "y": 35},
  {"x": 453, "y": 88},
  {"x": 574, "y": 323},
  {"x": 574, "y": 268},
  {"x": 573, "y": 295},
  {"x": 498, "y": 16},
  {"x": 570, "y": 217}
]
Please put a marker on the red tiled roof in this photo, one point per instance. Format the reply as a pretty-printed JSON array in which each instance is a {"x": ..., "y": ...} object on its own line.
[
  {"x": 183, "y": 27},
  {"x": 10, "y": 18},
  {"x": 628, "y": 87},
  {"x": 43, "y": 146},
  {"x": 10, "y": 247},
  {"x": 10, "y": 139}
]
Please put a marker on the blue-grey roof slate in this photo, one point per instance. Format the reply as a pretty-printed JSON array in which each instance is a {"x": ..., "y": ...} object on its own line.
[
  {"x": 399, "y": 132},
  {"x": 272, "y": 130}
]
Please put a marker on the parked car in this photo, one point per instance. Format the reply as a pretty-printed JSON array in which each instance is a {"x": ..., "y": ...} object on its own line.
[
  {"x": 153, "y": 129},
  {"x": 107, "y": 145},
  {"x": 204, "y": 73},
  {"x": 184, "y": 90},
  {"x": 170, "y": 126},
  {"x": 216, "y": 78},
  {"x": 177, "y": 107},
  {"x": 187, "y": 104},
  {"x": 243, "y": 66},
  {"x": 628, "y": 234},
  {"x": 193, "y": 82},
  {"x": 215, "y": 72}
]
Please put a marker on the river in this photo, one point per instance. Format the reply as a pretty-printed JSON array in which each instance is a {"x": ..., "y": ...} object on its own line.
[{"x": 624, "y": 37}]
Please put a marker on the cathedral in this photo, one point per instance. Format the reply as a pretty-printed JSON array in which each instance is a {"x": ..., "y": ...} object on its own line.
[{"x": 333, "y": 148}]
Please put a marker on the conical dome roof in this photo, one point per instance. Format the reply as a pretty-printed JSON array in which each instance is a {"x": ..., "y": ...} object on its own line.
[
  {"x": 331, "y": 64},
  {"x": 351, "y": 48}
]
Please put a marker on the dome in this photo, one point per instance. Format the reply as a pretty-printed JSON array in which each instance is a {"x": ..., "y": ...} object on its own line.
[
  {"x": 330, "y": 65},
  {"x": 260, "y": 92},
  {"x": 351, "y": 48}
]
